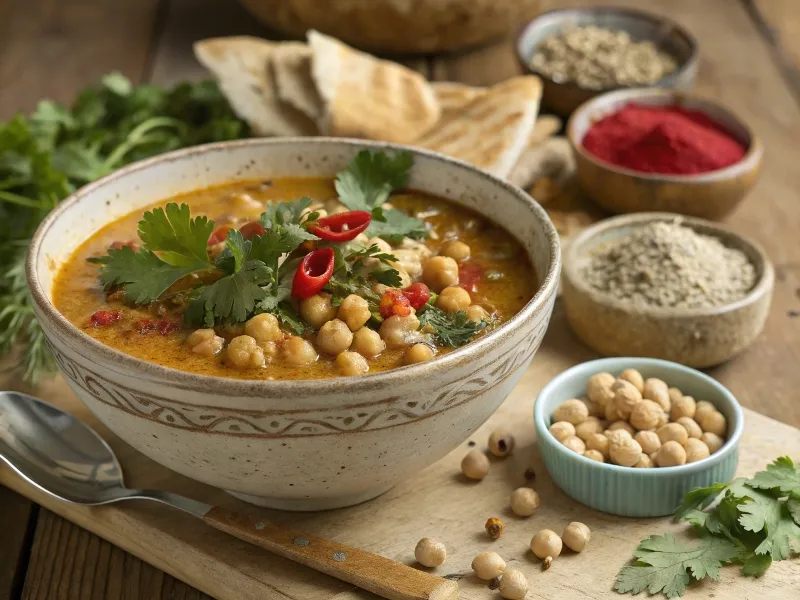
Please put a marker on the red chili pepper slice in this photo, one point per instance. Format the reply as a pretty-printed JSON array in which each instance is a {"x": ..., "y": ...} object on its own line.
[
  {"x": 342, "y": 227},
  {"x": 313, "y": 273},
  {"x": 105, "y": 317},
  {"x": 252, "y": 229},
  {"x": 394, "y": 302},
  {"x": 418, "y": 294},
  {"x": 219, "y": 235},
  {"x": 469, "y": 276}
]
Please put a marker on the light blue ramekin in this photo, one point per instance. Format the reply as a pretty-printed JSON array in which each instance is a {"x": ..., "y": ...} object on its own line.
[{"x": 626, "y": 491}]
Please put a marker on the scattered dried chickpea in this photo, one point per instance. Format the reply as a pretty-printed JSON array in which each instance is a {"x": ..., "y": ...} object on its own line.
[
  {"x": 575, "y": 444},
  {"x": 475, "y": 465},
  {"x": 595, "y": 455},
  {"x": 671, "y": 454},
  {"x": 576, "y": 536},
  {"x": 597, "y": 442},
  {"x": 488, "y": 565},
  {"x": 633, "y": 376},
  {"x": 713, "y": 441},
  {"x": 546, "y": 543},
  {"x": 703, "y": 406},
  {"x": 657, "y": 391},
  {"x": 513, "y": 585},
  {"x": 672, "y": 432},
  {"x": 599, "y": 388},
  {"x": 647, "y": 415},
  {"x": 494, "y": 527},
  {"x": 622, "y": 425},
  {"x": 524, "y": 501},
  {"x": 561, "y": 430},
  {"x": 691, "y": 427},
  {"x": 713, "y": 422},
  {"x": 684, "y": 406},
  {"x": 430, "y": 553},
  {"x": 648, "y": 440},
  {"x": 456, "y": 250},
  {"x": 625, "y": 453},
  {"x": 573, "y": 411},
  {"x": 696, "y": 450},
  {"x": 501, "y": 443},
  {"x": 589, "y": 426},
  {"x": 626, "y": 397}
]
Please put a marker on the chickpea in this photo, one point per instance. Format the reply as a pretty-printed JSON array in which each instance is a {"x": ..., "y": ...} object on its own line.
[
  {"x": 599, "y": 388},
  {"x": 546, "y": 543},
  {"x": 494, "y": 527},
  {"x": 205, "y": 342},
  {"x": 430, "y": 553},
  {"x": 501, "y": 443},
  {"x": 575, "y": 444},
  {"x": 297, "y": 351},
  {"x": 633, "y": 376},
  {"x": 626, "y": 397},
  {"x": 395, "y": 330},
  {"x": 622, "y": 425},
  {"x": 524, "y": 501},
  {"x": 367, "y": 342},
  {"x": 352, "y": 363},
  {"x": 674, "y": 395},
  {"x": 611, "y": 413},
  {"x": 561, "y": 430},
  {"x": 646, "y": 415},
  {"x": 617, "y": 436},
  {"x": 644, "y": 462},
  {"x": 597, "y": 442},
  {"x": 455, "y": 249},
  {"x": 594, "y": 455},
  {"x": 270, "y": 350},
  {"x": 713, "y": 441},
  {"x": 657, "y": 391},
  {"x": 573, "y": 411},
  {"x": 334, "y": 337},
  {"x": 440, "y": 272},
  {"x": 263, "y": 328},
  {"x": 713, "y": 422},
  {"x": 513, "y": 585},
  {"x": 475, "y": 465},
  {"x": 453, "y": 299},
  {"x": 477, "y": 313},
  {"x": 595, "y": 410},
  {"x": 703, "y": 406},
  {"x": 671, "y": 454},
  {"x": 648, "y": 440},
  {"x": 244, "y": 353},
  {"x": 589, "y": 426},
  {"x": 317, "y": 310},
  {"x": 354, "y": 311},
  {"x": 685, "y": 406},
  {"x": 691, "y": 427},
  {"x": 672, "y": 432},
  {"x": 417, "y": 353},
  {"x": 576, "y": 536},
  {"x": 625, "y": 453},
  {"x": 696, "y": 450},
  {"x": 488, "y": 565}
]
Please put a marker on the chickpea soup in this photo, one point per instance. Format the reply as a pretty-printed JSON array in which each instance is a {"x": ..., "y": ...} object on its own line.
[{"x": 358, "y": 275}]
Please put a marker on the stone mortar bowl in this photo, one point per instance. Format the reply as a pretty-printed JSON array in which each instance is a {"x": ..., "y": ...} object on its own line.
[
  {"x": 693, "y": 337},
  {"x": 297, "y": 445}
]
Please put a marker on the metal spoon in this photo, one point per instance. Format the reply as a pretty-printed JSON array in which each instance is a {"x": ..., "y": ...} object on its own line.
[{"x": 63, "y": 457}]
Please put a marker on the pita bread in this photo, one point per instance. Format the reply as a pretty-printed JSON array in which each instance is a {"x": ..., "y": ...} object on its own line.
[
  {"x": 367, "y": 97},
  {"x": 546, "y": 127},
  {"x": 453, "y": 96},
  {"x": 491, "y": 131},
  {"x": 292, "y": 64},
  {"x": 552, "y": 158},
  {"x": 242, "y": 66}
]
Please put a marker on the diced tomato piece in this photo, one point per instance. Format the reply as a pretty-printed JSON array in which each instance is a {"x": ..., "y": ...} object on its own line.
[
  {"x": 120, "y": 245},
  {"x": 105, "y": 317},
  {"x": 162, "y": 326},
  {"x": 418, "y": 294},
  {"x": 218, "y": 235},
  {"x": 469, "y": 276},
  {"x": 394, "y": 303},
  {"x": 252, "y": 229}
]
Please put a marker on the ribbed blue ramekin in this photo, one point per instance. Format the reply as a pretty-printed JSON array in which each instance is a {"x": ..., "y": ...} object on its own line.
[{"x": 626, "y": 491}]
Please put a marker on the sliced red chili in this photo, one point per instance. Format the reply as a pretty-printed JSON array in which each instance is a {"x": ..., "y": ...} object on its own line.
[
  {"x": 105, "y": 317},
  {"x": 342, "y": 227},
  {"x": 469, "y": 276},
  {"x": 394, "y": 303},
  {"x": 219, "y": 235},
  {"x": 313, "y": 273},
  {"x": 418, "y": 294},
  {"x": 162, "y": 326},
  {"x": 252, "y": 229},
  {"x": 118, "y": 245}
]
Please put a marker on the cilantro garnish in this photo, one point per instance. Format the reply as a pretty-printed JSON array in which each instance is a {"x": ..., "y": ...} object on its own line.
[{"x": 450, "y": 329}]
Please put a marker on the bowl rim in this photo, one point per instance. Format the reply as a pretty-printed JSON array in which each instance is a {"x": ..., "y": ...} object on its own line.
[
  {"x": 667, "y": 81},
  {"x": 209, "y": 384},
  {"x": 763, "y": 285},
  {"x": 731, "y": 444},
  {"x": 750, "y": 161}
]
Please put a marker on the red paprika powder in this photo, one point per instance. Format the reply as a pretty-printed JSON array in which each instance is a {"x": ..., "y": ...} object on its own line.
[{"x": 663, "y": 139}]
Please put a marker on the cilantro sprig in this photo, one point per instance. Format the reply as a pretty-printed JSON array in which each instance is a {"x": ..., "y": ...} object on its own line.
[{"x": 450, "y": 329}]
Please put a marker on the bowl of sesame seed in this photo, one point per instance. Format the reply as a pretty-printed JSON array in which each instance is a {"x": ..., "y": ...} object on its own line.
[{"x": 667, "y": 286}]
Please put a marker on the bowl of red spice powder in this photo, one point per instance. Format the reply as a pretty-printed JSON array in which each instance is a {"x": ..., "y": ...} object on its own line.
[{"x": 662, "y": 150}]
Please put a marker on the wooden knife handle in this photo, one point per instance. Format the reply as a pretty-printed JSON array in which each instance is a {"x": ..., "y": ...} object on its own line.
[{"x": 369, "y": 571}]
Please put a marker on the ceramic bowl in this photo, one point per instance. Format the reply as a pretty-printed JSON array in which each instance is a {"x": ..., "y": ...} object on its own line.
[
  {"x": 303, "y": 445},
  {"x": 710, "y": 195},
  {"x": 564, "y": 97},
  {"x": 627, "y": 491},
  {"x": 694, "y": 337}
]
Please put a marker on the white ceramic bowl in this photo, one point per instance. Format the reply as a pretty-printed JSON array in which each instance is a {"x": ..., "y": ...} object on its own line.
[{"x": 300, "y": 445}]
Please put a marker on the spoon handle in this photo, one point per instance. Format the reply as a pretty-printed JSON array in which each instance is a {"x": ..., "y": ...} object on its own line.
[{"x": 369, "y": 571}]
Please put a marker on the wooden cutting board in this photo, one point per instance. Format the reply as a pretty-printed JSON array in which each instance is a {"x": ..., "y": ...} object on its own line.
[{"x": 438, "y": 503}]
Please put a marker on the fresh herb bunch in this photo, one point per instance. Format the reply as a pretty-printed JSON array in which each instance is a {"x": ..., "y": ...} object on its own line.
[
  {"x": 54, "y": 151},
  {"x": 751, "y": 522}
]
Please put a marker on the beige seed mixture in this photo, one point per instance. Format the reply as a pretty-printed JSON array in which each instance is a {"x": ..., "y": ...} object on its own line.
[
  {"x": 597, "y": 58},
  {"x": 665, "y": 264}
]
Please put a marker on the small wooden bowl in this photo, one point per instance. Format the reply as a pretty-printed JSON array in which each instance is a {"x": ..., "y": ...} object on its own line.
[
  {"x": 709, "y": 195},
  {"x": 692, "y": 337}
]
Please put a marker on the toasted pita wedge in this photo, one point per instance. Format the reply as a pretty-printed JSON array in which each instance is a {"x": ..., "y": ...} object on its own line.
[
  {"x": 552, "y": 158},
  {"x": 292, "y": 64},
  {"x": 242, "y": 66},
  {"x": 491, "y": 131},
  {"x": 367, "y": 97},
  {"x": 453, "y": 96}
]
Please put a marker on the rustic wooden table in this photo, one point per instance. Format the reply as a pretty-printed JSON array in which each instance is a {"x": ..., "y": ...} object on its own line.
[{"x": 750, "y": 60}]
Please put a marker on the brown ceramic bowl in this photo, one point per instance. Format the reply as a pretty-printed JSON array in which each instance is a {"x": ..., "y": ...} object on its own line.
[
  {"x": 563, "y": 97},
  {"x": 710, "y": 195},
  {"x": 693, "y": 337}
]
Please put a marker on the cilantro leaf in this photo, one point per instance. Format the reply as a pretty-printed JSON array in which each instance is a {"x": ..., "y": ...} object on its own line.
[
  {"x": 370, "y": 177},
  {"x": 182, "y": 241},
  {"x": 282, "y": 213},
  {"x": 699, "y": 499},
  {"x": 781, "y": 476},
  {"x": 390, "y": 277},
  {"x": 767, "y": 514},
  {"x": 794, "y": 509},
  {"x": 396, "y": 226},
  {"x": 450, "y": 329},
  {"x": 664, "y": 564},
  {"x": 232, "y": 298},
  {"x": 756, "y": 565}
]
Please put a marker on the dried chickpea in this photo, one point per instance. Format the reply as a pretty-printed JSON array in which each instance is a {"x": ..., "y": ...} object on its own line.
[
  {"x": 546, "y": 543},
  {"x": 589, "y": 426},
  {"x": 644, "y": 462},
  {"x": 452, "y": 299},
  {"x": 672, "y": 432},
  {"x": 297, "y": 352},
  {"x": 648, "y": 440},
  {"x": 703, "y": 406},
  {"x": 595, "y": 410},
  {"x": 455, "y": 249},
  {"x": 524, "y": 501},
  {"x": 616, "y": 436},
  {"x": 622, "y": 425},
  {"x": 354, "y": 311},
  {"x": 576, "y": 536},
  {"x": 626, "y": 452},
  {"x": 367, "y": 342},
  {"x": 696, "y": 450},
  {"x": 599, "y": 388},
  {"x": 685, "y": 406},
  {"x": 573, "y": 411},
  {"x": 488, "y": 565},
  {"x": 263, "y": 328},
  {"x": 417, "y": 353},
  {"x": 595, "y": 455},
  {"x": 657, "y": 391},
  {"x": 633, "y": 376},
  {"x": 647, "y": 415},
  {"x": 475, "y": 465},
  {"x": 430, "y": 553},
  {"x": 440, "y": 272},
  {"x": 317, "y": 310},
  {"x": 352, "y": 363},
  {"x": 501, "y": 442},
  {"x": 671, "y": 454},
  {"x": 244, "y": 353},
  {"x": 611, "y": 413},
  {"x": 575, "y": 444},
  {"x": 691, "y": 427},
  {"x": 674, "y": 395},
  {"x": 597, "y": 442},
  {"x": 205, "y": 342},
  {"x": 561, "y": 430},
  {"x": 653, "y": 456},
  {"x": 713, "y": 441},
  {"x": 513, "y": 585},
  {"x": 494, "y": 527},
  {"x": 713, "y": 422},
  {"x": 626, "y": 397},
  {"x": 334, "y": 337}
]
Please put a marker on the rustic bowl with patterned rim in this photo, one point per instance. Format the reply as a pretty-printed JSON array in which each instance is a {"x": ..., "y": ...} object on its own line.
[
  {"x": 299, "y": 445},
  {"x": 693, "y": 337},
  {"x": 711, "y": 195}
]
